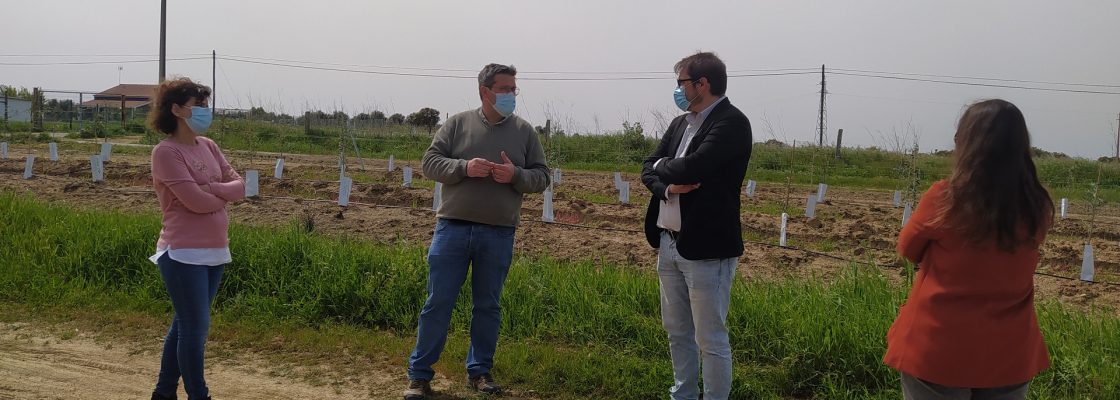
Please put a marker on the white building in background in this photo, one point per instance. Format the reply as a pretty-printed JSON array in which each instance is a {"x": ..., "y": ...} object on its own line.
[{"x": 17, "y": 110}]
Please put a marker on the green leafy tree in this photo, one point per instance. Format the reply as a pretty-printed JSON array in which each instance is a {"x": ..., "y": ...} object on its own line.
[
  {"x": 428, "y": 117},
  {"x": 11, "y": 91}
]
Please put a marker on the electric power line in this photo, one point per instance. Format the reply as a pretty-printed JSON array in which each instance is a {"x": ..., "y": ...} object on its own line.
[
  {"x": 974, "y": 83},
  {"x": 977, "y": 78},
  {"x": 229, "y": 84},
  {"x": 288, "y": 65},
  {"x": 522, "y": 71},
  {"x": 100, "y": 62},
  {"x": 101, "y": 55}
]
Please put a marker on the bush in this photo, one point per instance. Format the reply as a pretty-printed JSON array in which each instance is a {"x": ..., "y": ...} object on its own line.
[
  {"x": 266, "y": 134},
  {"x": 135, "y": 127},
  {"x": 93, "y": 130}
]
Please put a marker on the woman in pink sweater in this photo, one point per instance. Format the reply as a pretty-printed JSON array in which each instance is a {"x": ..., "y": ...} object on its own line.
[{"x": 193, "y": 183}]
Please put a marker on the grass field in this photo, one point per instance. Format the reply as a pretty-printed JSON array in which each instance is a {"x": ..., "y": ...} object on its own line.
[{"x": 570, "y": 330}]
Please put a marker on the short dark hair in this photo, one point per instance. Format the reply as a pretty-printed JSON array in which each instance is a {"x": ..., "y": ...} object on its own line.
[
  {"x": 486, "y": 76},
  {"x": 705, "y": 65},
  {"x": 173, "y": 91}
]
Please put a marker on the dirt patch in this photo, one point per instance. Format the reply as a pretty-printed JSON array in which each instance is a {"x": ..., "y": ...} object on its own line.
[
  {"x": 62, "y": 361},
  {"x": 41, "y": 365}
]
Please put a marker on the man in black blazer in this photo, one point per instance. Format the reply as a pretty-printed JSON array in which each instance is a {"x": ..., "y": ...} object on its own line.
[{"x": 695, "y": 175}]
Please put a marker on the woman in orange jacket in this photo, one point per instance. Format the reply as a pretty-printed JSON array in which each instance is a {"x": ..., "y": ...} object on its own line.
[{"x": 969, "y": 329}]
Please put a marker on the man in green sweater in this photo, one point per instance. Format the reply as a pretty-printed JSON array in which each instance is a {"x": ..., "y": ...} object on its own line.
[{"x": 487, "y": 159}]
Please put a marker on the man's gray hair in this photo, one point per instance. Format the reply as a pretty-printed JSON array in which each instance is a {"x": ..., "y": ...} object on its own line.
[{"x": 486, "y": 76}]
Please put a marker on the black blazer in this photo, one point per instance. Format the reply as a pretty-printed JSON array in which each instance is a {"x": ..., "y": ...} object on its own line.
[{"x": 716, "y": 158}]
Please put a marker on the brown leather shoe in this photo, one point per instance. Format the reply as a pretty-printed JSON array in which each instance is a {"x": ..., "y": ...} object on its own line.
[
  {"x": 418, "y": 389},
  {"x": 484, "y": 383}
]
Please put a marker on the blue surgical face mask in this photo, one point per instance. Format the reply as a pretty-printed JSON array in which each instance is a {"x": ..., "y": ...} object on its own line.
[
  {"x": 505, "y": 103},
  {"x": 200, "y": 119},
  {"x": 682, "y": 102}
]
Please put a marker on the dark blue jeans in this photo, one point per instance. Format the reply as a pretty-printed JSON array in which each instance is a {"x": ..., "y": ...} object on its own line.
[
  {"x": 456, "y": 247},
  {"x": 192, "y": 289}
]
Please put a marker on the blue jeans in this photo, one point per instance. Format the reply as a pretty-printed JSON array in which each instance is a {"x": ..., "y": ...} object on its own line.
[
  {"x": 192, "y": 289},
  {"x": 695, "y": 296},
  {"x": 457, "y": 246}
]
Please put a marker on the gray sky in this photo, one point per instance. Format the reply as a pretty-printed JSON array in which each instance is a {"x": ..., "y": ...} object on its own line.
[{"x": 1033, "y": 40}]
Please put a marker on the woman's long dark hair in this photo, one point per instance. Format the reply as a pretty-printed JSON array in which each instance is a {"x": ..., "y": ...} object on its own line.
[{"x": 994, "y": 192}]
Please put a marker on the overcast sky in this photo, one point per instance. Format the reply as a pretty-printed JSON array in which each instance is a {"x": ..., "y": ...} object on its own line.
[{"x": 1028, "y": 40}]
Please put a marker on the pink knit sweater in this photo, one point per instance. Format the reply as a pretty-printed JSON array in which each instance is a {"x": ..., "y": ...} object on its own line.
[{"x": 193, "y": 184}]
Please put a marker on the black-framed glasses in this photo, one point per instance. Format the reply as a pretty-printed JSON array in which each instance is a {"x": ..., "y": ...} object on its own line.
[{"x": 681, "y": 82}]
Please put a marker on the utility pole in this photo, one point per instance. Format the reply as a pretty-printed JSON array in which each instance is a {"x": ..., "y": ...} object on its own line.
[
  {"x": 820, "y": 120},
  {"x": 163, "y": 41},
  {"x": 214, "y": 79},
  {"x": 122, "y": 116},
  {"x": 1118, "y": 137}
]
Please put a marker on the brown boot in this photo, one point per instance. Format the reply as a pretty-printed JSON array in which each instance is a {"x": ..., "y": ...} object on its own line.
[
  {"x": 484, "y": 383},
  {"x": 418, "y": 389}
]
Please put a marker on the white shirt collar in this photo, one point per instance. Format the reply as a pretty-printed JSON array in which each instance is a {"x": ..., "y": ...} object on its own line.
[{"x": 698, "y": 118}]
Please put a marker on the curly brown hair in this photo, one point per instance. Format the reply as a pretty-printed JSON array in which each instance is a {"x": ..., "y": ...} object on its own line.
[{"x": 173, "y": 91}]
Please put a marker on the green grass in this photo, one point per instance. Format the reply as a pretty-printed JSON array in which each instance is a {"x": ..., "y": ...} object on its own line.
[
  {"x": 569, "y": 329},
  {"x": 768, "y": 207},
  {"x": 397, "y": 140}
]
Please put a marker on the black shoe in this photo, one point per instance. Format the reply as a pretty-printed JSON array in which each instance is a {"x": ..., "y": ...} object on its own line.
[
  {"x": 484, "y": 383},
  {"x": 157, "y": 396},
  {"x": 418, "y": 389}
]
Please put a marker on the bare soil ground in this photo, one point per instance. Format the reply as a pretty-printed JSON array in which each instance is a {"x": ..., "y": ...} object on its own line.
[{"x": 43, "y": 360}]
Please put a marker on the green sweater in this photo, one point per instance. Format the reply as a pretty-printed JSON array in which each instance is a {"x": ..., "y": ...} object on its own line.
[{"x": 468, "y": 135}]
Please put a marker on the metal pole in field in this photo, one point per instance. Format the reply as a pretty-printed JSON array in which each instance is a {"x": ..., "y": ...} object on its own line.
[
  {"x": 162, "y": 40},
  {"x": 122, "y": 116},
  {"x": 81, "y": 99},
  {"x": 1118, "y": 137},
  {"x": 214, "y": 81},
  {"x": 820, "y": 123}
]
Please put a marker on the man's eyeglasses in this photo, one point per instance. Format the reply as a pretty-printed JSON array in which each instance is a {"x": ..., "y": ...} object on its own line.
[
  {"x": 515, "y": 90},
  {"x": 681, "y": 82}
]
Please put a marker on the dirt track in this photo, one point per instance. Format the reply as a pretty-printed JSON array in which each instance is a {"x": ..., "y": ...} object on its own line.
[
  {"x": 40, "y": 365},
  {"x": 40, "y": 362}
]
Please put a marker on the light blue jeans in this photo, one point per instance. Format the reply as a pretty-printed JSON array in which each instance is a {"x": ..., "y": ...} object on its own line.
[{"x": 695, "y": 295}]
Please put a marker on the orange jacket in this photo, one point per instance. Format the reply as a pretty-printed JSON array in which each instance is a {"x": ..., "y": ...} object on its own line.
[{"x": 970, "y": 320}]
